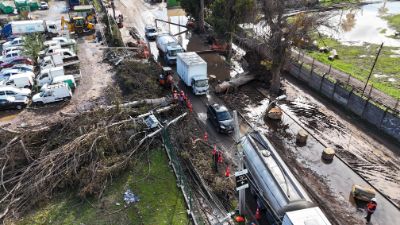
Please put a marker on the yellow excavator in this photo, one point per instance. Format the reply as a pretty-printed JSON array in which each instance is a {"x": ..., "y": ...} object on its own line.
[{"x": 78, "y": 25}]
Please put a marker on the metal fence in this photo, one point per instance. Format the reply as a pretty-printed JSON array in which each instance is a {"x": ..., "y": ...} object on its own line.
[
  {"x": 182, "y": 180},
  {"x": 369, "y": 107}
]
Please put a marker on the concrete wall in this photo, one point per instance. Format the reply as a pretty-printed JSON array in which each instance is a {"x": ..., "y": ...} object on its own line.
[{"x": 367, "y": 110}]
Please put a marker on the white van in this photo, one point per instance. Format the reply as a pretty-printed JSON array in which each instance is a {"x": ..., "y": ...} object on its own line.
[
  {"x": 21, "y": 80},
  {"x": 12, "y": 48},
  {"x": 53, "y": 93},
  {"x": 15, "y": 42},
  {"x": 10, "y": 56}
]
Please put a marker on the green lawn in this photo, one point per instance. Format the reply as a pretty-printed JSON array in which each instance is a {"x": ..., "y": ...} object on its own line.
[
  {"x": 357, "y": 61},
  {"x": 393, "y": 21},
  {"x": 161, "y": 202}
]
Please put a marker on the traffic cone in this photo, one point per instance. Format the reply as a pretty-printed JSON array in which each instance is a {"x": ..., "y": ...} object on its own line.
[
  {"x": 258, "y": 214},
  {"x": 205, "y": 136},
  {"x": 227, "y": 172},
  {"x": 219, "y": 157},
  {"x": 214, "y": 150}
]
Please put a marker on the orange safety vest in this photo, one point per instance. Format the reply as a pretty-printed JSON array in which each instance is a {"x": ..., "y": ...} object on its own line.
[{"x": 371, "y": 207}]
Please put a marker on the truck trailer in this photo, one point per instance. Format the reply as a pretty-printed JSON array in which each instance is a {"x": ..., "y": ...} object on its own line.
[
  {"x": 279, "y": 195},
  {"x": 192, "y": 70},
  {"x": 15, "y": 28},
  {"x": 168, "y": 47}
]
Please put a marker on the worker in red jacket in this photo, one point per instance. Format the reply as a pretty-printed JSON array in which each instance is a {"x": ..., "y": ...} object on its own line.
[{"x": 371, "y": 207}]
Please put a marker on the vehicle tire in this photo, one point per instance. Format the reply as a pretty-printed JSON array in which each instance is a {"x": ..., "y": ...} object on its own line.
[
  {"x": 19, "y": 107},
  {"x": 66, "y": 99},
  {"x": 40, "y": 103}
]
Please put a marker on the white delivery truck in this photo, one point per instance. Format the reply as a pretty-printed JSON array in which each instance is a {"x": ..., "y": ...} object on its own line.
[
  {"x": 168, "y": 47},
  {"x": 21, "y": 80},
  {"x": 29, "y": 26},
  {"x": 57, "y": 60},
  {"x": 192, "y": 69},
  {"x": 53, "y": 93},
  {"x": 68, "y": 79},
  {"x": 47, "y": 75}
]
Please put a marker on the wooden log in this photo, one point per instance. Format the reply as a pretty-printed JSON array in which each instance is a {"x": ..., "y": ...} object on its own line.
[
  {"x": 301, "y": 137},
  {"x": 234, "y": 83},
  {"x": 328, "y": 154},
  {"x": 275, "y": 113}
]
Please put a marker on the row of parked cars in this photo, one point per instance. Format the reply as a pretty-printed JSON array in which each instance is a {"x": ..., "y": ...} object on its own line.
[{"x": 53, "y": 78}]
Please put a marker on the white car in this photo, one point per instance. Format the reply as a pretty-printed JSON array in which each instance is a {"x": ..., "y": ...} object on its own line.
[
  {"x": 6, "y": 91},
  {"x": 15, "y": 42},
  {"x": 150, "y": 32},
  {"x": 63, "y": 41},
  {"x": 10, "y": 56},
  {"x": 43, "y": 5},
  {"x": 12, "y": 48}
]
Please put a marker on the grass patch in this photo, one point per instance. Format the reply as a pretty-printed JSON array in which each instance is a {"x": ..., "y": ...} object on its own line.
[
  {"x": 161, "y": 202},
  {"x": 393, "y": 21},
  {"x": 357, "y": 61}
]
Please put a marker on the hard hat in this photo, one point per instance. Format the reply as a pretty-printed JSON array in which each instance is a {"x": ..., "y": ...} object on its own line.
[{"x": 373, "y": 199}]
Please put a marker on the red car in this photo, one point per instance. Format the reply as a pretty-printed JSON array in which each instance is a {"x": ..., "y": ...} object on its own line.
[{"x": 18, "y": 60}]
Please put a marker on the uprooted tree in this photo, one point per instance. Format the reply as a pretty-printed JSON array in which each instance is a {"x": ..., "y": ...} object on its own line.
[
  {"x": 284, "y": 32},
  {"x": 81, "y": 152}
]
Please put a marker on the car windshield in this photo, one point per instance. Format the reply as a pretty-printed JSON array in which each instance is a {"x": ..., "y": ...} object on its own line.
[
  {"x": 224, "y": 115},
  {"x": 201, "y": 83},
  {"x": 151, "y": 30}
]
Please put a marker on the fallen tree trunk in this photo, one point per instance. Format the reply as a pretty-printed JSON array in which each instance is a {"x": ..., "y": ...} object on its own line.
[{"x": 233, "y": 84}]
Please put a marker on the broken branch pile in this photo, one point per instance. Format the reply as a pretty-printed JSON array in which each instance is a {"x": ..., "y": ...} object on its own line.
[{"x": 80, "y": 152}]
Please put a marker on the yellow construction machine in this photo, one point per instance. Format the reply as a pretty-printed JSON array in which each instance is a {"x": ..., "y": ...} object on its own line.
[{"x": 78, "y": 25}]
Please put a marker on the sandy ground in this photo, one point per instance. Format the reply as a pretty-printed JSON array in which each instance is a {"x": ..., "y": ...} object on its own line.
[{"x": 95, "y": 78}]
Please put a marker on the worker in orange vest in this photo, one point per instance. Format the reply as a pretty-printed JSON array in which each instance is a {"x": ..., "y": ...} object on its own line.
[{"x": 371, "y": 207}]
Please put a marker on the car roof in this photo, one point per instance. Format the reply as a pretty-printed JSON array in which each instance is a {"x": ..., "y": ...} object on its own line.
[
  {"x": 219, "y": 108},
  {"x": 149, "y": 26}
]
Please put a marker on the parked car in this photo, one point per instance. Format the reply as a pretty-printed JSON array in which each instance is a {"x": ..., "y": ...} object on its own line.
[
  {"x": 17, "y": 60},
  {"x": 150, "y": 32},
  {"x": 13, "y": 103},
  {"x": 19, "y": 41},
  {"x": 10, "y": 56},
  {"x": 24, "y": 67},
  {"x": 53, "y": 93},
  {"x": 12, "y": 48},
  {"x": 21, "y": 80},
  {"x": 6, "y": 91},
  {"x": 220, "y": 117},
  {"x": 63, "y": 41},
  {"x": 43, "y": 6},
  {"x": 6, "y": 73}
]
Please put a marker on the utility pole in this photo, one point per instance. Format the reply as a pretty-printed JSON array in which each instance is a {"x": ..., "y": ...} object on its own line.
[
  {"x": 373, "y": 66},
  {"x": 242, "y": 192}
]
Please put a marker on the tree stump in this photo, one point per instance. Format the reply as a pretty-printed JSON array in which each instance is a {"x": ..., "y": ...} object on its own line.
[
  {"x": 301, "y": 137},
  {"x": 328, "y": 154}
]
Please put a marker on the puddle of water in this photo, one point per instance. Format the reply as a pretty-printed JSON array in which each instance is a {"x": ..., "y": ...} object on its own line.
[{"x": 356, "y": 26}]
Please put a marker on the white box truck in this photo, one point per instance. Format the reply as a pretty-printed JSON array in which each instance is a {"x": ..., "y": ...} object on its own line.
[
  {"x": 46, "y": 76},
  {"x": 192, "y": 69},
  {"x": 30, "y": 26},
  {"x": 168, "y": 47}
]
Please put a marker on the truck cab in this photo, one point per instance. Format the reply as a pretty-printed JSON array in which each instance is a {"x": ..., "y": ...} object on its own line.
[
  {"x": 199, "y": 85},
  {"x": 172, "y": 50}
]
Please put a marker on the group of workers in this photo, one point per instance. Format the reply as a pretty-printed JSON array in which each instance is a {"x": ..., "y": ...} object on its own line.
[{"x": 182, "y": 99}]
